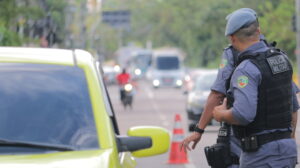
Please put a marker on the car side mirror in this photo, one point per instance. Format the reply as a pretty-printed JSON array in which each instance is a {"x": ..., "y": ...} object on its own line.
[
  {"x": 148, "y": 140},
  {"x": 130, "y": 143}
]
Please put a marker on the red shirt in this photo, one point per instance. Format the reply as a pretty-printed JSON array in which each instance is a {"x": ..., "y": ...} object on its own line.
[{"x": 123, "y": 78}]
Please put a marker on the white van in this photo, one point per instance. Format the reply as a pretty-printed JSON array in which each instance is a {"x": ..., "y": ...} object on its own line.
[{"x": 167, "y": 68}]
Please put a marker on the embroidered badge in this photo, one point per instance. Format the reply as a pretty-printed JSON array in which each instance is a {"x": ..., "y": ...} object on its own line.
[
  {"x": 242, "y": 81},
  {"x": 223, "y": 63}
]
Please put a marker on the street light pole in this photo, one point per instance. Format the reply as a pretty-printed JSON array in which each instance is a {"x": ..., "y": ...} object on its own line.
[
  {"x": 298, "y": 36},
  {"x": 82, "y": 26}
]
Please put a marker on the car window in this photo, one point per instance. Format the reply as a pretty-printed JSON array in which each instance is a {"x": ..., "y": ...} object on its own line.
[
  {"x": 142, "y": 61},
  {"x": 167, "y": 63},
  {"x": 204, "y": 82},
  {"x": 46, "y": 104}
]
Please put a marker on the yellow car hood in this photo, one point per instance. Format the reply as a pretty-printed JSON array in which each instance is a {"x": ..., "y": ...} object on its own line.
[{"x": 76, "y": 159}]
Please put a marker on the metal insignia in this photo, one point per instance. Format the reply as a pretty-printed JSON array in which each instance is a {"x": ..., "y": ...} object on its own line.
[
  {"x": 222, "y": 132},
  {"x": 278, "y": 64}
]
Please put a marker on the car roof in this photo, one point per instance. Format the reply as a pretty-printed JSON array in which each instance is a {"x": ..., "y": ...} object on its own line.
[
  {"x": 166, "y": 53},
  {"x": 205, "y": 75},
  {"x": 107, "y": 68},
  {"x": 43, "y": 55},
  {"x": 198, "y": 72}
]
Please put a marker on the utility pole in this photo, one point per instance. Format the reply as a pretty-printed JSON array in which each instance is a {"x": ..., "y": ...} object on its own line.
[
  {"x": 298, "y": 36},
  {"x": 82, "y": 25}
]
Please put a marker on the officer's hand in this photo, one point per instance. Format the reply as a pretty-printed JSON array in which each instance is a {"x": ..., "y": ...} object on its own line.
[
  {"x": 217, "y": 112},
  {"x": 194, "y": 137}
]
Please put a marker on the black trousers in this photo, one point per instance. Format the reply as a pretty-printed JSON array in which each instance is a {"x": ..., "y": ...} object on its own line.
[{"x": 122, "y": 94}]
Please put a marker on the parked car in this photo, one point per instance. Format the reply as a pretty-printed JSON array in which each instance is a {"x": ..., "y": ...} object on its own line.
[
  {"x": 55, "y": 113},
  {"x": 191, "y": 77},
  {"x": 196, "y": 98}
]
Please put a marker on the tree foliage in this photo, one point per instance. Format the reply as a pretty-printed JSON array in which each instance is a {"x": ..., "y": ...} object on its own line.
[
  {"x": 8, "y": 13},
  {"x": 17, "y": 18},
  {"x": 198, "y": 26},
  {"x": 195, "y": 26}
]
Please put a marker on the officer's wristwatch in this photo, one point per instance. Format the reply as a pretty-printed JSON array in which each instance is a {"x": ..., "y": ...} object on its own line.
[{"x": 199, "y": 130}]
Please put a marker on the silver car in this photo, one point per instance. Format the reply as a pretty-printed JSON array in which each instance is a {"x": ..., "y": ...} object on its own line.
[{"x": 197, "y": 97}]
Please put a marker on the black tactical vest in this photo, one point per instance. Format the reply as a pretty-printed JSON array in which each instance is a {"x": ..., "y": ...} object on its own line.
[{"x": 274, "y": 93}]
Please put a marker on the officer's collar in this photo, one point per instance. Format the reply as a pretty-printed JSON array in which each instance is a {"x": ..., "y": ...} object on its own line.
[
  {"x": 262, "y": 37},
  {"x": 254, "y": 47}
]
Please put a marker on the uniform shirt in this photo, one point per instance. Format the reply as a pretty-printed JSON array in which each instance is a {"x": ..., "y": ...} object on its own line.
[
  {"x": 225, "y": 70},
  {"x": 278, "y": 153},
  {"x": 123, "y": 78}
]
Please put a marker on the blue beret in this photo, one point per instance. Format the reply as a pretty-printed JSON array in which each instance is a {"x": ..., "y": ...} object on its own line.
[
  {"x": 243, "y": 9},
  {"x": 237, "y": 20}
]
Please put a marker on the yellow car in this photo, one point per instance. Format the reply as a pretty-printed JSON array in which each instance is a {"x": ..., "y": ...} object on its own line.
[{"x": 55, "y": 113}]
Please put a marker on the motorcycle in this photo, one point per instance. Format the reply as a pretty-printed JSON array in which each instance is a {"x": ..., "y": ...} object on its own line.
[{"x": 127, "y": 97}]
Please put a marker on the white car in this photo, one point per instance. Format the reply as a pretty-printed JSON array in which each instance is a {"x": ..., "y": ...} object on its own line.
[{"x": 196, "y": 98}]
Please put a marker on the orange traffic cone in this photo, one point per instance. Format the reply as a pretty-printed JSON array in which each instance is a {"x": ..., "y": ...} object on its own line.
[{"x": 177, "y": 156}]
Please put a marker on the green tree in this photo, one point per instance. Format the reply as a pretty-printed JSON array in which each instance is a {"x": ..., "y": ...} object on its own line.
[
  {"x": 198, "y": 26},
  {"x": 8, "y": 13}
]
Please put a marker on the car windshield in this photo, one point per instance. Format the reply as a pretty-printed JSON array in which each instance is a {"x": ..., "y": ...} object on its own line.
[
  {"x": 47, "y": 104},
  {"x": 167, "y": 63},
  {"x": 142, "y": 61},
  {"x": 204, "y": 82}
]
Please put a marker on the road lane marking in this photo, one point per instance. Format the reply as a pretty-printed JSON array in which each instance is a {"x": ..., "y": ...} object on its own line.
[
  {"x": 190, "y": 165},
  {"x": 149, "y": 93},
  {"x": 160, "y": 114}
]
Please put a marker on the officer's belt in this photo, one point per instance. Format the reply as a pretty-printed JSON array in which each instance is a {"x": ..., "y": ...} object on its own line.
[
  {"x": 266, "y": 138},
  {"x": 273, "y": 136}
]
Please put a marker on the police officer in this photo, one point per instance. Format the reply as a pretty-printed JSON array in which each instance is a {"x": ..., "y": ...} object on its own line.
[
  {"x": 218, "y": 92},
  {"x": 260, "y": 97}
]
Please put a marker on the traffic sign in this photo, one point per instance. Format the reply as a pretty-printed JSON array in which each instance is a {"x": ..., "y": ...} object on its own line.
[{"x": 119, "y": 19}]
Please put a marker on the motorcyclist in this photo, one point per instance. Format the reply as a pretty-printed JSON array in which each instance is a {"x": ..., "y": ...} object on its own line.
[{"x": 123, "y": 78}]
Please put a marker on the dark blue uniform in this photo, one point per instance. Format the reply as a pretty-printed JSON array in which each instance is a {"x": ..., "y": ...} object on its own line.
[
  {"x": 244, "y": 86},
  {"x": 225, "y": 70}
]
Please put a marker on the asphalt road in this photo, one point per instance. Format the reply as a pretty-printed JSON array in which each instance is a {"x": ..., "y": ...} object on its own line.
[{"x": 158, "y": 107}]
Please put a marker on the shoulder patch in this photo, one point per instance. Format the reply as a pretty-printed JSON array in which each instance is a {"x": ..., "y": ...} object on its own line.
[
  {"x": 242, "y": 81},
  {"x": 223, "y": 63}
]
